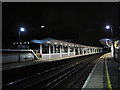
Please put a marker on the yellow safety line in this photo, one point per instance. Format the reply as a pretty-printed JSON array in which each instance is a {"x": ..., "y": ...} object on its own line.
[{"x": 108, "y": 77}]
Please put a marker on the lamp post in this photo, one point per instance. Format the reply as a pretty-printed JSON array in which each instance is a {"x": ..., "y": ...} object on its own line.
[
  {"x": 20, "y": 30},
  {"x": 108, "y": 27},
  {"x": 41, "y": 43}
]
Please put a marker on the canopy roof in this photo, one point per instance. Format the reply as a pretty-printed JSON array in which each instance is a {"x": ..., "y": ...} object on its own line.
[
  {"x": 41, "y": 41},
  {"x": 59, "y": 42},
  {"x": 106, "y": 42}
]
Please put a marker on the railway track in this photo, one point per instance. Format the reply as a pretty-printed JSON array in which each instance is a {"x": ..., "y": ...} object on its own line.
[
  {"x": 54, "y": 77},
  {"x": 26, "y": 71}
]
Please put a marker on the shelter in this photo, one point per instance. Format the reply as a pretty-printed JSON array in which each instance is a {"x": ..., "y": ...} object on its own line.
[{"x": 63, "y": 48}]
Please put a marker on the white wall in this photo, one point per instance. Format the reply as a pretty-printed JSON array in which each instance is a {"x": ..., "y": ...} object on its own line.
[{"x": 13, "y": 56}]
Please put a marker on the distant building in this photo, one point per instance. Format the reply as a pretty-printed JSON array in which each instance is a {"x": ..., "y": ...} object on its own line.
[{"x": 22, "y": 45}]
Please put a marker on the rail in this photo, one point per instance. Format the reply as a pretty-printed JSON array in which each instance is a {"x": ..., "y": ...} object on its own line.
[{"x": 50, "y": 78}]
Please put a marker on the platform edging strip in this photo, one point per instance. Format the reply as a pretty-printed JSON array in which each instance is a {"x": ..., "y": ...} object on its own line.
[{"x": 108, "y": 77}]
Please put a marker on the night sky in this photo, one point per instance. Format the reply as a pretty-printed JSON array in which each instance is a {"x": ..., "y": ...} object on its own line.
[{"x": 82, "y": 23}]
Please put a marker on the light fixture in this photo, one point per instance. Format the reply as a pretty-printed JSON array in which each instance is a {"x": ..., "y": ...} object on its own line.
[
  {"x": 61, "y": 43},
  {"x": 22, "y": 29},
  {"x": 108, "y": 27},
  {"x": 42, "y": 26},
  {"x": 48, "y": 41},
  {"x": 55, "y": 43}
]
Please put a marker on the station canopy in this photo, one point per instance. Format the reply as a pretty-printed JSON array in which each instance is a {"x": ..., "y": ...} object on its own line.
[
  {"x": 106, "y": 42},
  {"x": 59, "y": 42}
]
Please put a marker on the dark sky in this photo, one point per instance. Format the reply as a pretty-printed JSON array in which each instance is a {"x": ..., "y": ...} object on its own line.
[{"x": 79, "y": 22}]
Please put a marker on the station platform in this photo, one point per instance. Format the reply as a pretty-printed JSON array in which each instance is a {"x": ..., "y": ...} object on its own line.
[
  {"x": 105, "y": 74},
  {"x": 27, "y": 63}
]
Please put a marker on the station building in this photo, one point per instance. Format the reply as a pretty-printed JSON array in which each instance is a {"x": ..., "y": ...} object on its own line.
[{"x": 46, "y": 49}]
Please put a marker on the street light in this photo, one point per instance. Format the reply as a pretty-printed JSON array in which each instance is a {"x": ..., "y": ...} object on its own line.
[
  {"x": 42, "y": 26},
  {"x": 108, "y": 27},
  {"x": 22, "y": 29}
]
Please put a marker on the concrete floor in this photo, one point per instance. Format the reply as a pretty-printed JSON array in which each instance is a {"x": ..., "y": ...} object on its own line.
[{"x": 105, "y": 74}]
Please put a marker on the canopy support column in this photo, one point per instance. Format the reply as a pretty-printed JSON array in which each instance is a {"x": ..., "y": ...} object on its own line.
[
  {"x": 53, "y": 49},
  {"x": 74, "y": 50},
  {"x": 49, "y": 51},
  {"x": 40, "y": 48},
  {"x": 68, "y": 51},
  {"x": 60, "y": 52}
]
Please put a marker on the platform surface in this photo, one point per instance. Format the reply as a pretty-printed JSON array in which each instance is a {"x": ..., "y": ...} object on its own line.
[
  {"x": 105, "y": 74},
  {"x": 27, "y": 63}
]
